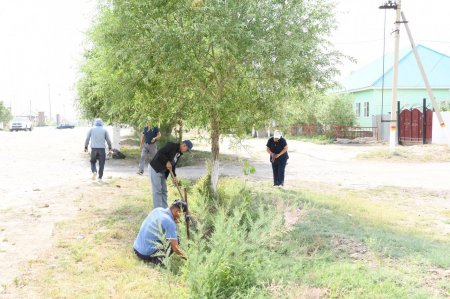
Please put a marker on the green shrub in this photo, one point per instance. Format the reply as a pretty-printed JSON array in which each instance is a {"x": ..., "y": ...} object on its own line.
[{"x": 228, "y": 264}]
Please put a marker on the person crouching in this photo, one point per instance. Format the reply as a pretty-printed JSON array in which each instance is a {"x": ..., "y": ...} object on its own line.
[{"x": 160, "y": 224}]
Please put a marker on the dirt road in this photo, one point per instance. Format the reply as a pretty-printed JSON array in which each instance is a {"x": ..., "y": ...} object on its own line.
[{"x": 44, "y": 173}]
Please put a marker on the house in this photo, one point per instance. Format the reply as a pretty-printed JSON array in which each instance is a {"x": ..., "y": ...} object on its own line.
[{"x": 366, "y": 85}]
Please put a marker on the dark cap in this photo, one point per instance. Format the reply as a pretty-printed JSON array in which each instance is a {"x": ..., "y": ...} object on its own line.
[
  {"x": 189, "y": 144},
  {"x": 179, "y": 204}
]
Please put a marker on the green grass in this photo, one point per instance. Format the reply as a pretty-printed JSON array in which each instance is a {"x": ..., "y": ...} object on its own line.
[
  {"x": 317, "y": 139},
  {"x": 342, "y": 246},
  {"x": 193, "y": 158}
]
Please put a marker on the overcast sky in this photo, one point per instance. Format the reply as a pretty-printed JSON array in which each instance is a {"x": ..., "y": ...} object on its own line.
[{"x": 42, "y": 43}]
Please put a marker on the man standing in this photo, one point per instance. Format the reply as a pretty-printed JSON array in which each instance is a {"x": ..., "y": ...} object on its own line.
[
  {"x": 149, "y": 137},
  {"x": 165, "y": 161},
  {"x": 277, "y": 148},
  {"x": 97, "y": 135},
  {"x": 160, "y": 224}
]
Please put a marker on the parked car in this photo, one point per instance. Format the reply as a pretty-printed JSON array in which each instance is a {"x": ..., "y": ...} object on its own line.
[
  {"x": 65, "y": 126},
  {"x": 20, "y": 123}
]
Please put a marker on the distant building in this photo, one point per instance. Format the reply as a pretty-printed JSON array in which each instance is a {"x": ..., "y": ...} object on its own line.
[{"x": 365, "y": 85}]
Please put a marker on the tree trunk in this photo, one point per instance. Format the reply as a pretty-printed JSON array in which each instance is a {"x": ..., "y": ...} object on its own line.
[
  {"x": 215, "y": 135},
  {"x": 116, "y": 137},
  {"x": 180, "y": 131}
]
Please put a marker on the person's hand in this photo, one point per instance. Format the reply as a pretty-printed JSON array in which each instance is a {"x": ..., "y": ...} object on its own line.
[
  {"x": 85, "y": 149},
  {"x": 169, "y": 165},
  {"x": 175, "y": 181},
  {"x": 272, "y": 157},
  {"x": 153, "y": 140}
]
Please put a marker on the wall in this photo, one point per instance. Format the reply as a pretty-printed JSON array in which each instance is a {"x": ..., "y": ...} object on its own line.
[{"x": 441, "y": 136}]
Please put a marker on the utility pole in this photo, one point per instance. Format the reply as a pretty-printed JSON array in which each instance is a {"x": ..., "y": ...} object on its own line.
[
  {"x": 425, "y": 79},
  {"x": 393, "y": 127}
]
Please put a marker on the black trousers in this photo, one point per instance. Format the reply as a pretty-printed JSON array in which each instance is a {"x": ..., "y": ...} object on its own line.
[
  {"x": 100, "y": 155},
  {"x": 278, "y": 168},
  {"x": 157, "y": 260}
]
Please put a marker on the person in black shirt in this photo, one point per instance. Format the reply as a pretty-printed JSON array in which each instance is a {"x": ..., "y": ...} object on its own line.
[
  {"x": 165, "y": 160},
  {"x": 277, "y": 148}
]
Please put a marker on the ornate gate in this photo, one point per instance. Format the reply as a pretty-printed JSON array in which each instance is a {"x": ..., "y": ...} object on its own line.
[{"x": 415, "y": 127}]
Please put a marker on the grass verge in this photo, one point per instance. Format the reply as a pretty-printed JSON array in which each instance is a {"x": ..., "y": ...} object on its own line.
[
  {"x": 345, "y": 245},
  {"x": 416, "y": 153}
]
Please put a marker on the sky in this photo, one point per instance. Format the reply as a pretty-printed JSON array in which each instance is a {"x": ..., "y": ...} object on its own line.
[{"x": 41, "y": 44}]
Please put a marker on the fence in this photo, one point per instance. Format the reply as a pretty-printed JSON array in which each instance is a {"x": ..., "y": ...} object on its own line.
[{"x": 336, "y": 131}]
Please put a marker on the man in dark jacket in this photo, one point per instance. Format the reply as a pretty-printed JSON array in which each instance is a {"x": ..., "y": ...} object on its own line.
[{"x": 165, "y": 160}]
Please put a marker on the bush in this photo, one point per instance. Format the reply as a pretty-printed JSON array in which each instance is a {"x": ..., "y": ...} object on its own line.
[
  {"x": 228, "y": 264},
  {"x": 233, "y": 244}
]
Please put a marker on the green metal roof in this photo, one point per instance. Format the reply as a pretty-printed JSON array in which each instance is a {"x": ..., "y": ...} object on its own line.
[{"x": 436, "y": 65}]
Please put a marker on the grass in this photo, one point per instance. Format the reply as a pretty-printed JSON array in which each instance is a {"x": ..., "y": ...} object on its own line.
[
  {"x": 193, "y": 158},
  {"x": 416, "y": 153},
  {"x": 317, "y": 139},
  {"x": 344, "y": 245}
]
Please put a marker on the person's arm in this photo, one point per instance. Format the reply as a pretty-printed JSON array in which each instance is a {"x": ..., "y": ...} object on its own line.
[
  {"x": 167, "y": 153},
  {"x": 172, "y": 237},
  {"x": 108, "y": 140},
  {"x": 285, "y": 149},
  {"x": 268, "y": 144},
  {"x": 156, "y": 138},
  {"x": 176, "y": 248},
  {"x": 142, "y": 140},
  {"x": 86, "y": 142}
]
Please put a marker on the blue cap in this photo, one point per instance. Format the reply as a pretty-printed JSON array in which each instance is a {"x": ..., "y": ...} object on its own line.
[{"x": 189, "y": 144}]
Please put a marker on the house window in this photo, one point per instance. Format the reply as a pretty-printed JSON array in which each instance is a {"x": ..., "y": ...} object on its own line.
[
  {"x": 358, "y": 109},
  {"x": 366, "y": 109}
]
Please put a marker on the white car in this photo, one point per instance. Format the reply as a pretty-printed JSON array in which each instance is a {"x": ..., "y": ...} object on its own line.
[{"x": 20, "y": 123}]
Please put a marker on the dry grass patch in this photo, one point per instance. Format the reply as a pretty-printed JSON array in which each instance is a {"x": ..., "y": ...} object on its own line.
[
  {"x": 416, "y": 153},
  {"x": 93, "y": 255}
]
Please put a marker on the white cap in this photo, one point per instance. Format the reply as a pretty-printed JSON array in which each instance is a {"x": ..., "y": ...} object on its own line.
[{"x": 277, "y": 134}]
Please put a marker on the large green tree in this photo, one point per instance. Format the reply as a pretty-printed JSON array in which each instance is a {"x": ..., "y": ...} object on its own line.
[{"x": 222, "y": 65}]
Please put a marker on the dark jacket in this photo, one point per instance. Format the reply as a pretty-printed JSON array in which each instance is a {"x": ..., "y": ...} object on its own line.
[{"x": 166, "y": 153}]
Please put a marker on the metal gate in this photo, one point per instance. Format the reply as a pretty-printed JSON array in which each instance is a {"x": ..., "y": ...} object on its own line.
[{"x": 415, "y": 127}]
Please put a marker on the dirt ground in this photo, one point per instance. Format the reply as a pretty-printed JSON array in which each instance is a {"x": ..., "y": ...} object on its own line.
[{"x": 44, "y": 173}]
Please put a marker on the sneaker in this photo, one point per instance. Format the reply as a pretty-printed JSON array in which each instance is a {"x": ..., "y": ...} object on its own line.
[
  {"x": 94, "y": 175},
  {"x": 140, "y": 172}
]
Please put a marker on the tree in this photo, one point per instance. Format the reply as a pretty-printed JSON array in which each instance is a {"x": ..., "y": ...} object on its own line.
[
  {"x": 336, "y": 110},
  {"x": 5, "y": 113},
  {"x": 221, "y": 65}
]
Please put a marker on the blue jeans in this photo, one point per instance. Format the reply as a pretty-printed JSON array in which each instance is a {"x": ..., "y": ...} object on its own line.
[
  {"x": 159, "y": 188},
  {"x": 278, "y": 168},
  {"x": 100, "y": 154}
]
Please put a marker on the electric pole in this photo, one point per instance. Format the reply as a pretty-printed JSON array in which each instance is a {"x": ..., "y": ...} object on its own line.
[{"x": 393, "y": 127}]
